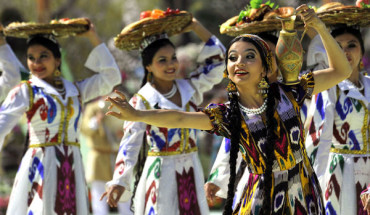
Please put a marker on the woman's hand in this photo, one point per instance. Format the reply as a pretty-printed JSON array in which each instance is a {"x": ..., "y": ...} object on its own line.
[
  {"x": 113, "y": 194},
  {"x": 309, "y": 17},
  {"x": 211, "y": 189},
  {"x": 198, "y": 29},
  {"x": 126, "y": 111},
  {"x": 365, "y": 199},
  {"x": 91, "y": 34}
]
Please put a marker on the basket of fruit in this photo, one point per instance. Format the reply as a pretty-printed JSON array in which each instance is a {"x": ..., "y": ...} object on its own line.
[
  {"x": 257, "y": 17},
  {"x": 335, "y": 13},
  {"x": 60, "y": 28},
  {"x": 151, "y": 23}
]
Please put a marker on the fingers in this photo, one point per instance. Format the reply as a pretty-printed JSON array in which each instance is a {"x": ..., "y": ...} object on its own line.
[
  {"x": 120, "y": 94},
  {"x": 103, "y": 195},
  {"x": 112, "y": 113}
]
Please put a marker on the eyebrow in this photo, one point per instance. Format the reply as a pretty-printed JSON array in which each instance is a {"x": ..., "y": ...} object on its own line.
[{"x": 244, "y": 50}]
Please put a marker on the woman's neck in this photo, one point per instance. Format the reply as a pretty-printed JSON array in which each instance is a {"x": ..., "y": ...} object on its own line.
[
  {"x": 355, "y": 77},
  {"x": 250, "y": 98},
  {"x": 163, "y": 86}
]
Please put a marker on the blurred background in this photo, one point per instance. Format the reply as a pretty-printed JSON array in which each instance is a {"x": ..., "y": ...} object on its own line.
[{"x": 109, "y": 17}]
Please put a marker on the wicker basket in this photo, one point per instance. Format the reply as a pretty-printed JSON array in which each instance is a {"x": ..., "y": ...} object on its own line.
[
  {"x": 257, "y": 27},
  {"x": 24, "y": 30},
  {"x": 132, "y": 35},
  {"x": 349, "y": 15}
]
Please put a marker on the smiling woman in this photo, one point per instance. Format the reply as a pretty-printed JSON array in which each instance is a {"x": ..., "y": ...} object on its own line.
[
  {"x": 50, "y": 179},
  {"x": 271, "y": 142}
]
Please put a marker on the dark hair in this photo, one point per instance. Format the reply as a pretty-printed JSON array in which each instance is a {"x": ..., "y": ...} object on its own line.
[
  {"x": 266, "y": 36},
  {"x": 148, "y": 53},
  {"x": 350, "y": 30},
  {"x": 44, "y": 40}
]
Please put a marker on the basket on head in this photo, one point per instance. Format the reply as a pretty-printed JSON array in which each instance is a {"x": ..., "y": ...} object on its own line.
[
  {"x": 132, "y": 35},
  {"x": 63, "y": 28}
]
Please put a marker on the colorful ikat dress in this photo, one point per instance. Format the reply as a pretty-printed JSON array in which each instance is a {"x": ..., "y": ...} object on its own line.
[
  {"x": 51, "y": 179},
  {"x": 172, "y": 180},
  {"x": 338, "y": 145},
  {"x": 295, "y": 188}
]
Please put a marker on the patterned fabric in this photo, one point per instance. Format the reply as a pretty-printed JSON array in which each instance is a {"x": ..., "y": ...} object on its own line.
[
  {"x": 51, "y": 179},
  {"x": 172, "y": 179},
  {"x": 338, "y": 145},
  {"x": 295, "y": 188}
]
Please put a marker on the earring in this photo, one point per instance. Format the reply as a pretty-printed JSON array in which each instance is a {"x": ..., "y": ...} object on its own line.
[
  {"x": 231, "y": 87},
  {"x": 57, "y": 73},
  {"x": 225, "y": 74},
  {"x": 149, "y": 77},
  {"x": 263, "y": 87},
  {"x": 57, "y": 79},
  {"x": 361, "y": 65}
]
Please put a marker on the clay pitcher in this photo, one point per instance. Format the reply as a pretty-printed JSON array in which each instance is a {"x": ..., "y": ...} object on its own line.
[{"x": 289, "y": 51}]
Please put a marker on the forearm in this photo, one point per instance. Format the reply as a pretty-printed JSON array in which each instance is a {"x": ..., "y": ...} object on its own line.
[
  {"x": 336, "y": 57},
  {"x": 202, "y": 32},
  {"x": 175, "y": 119}
]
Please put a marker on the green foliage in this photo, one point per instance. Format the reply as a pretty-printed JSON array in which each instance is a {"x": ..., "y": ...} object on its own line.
[{"x": 254, "y": 4}]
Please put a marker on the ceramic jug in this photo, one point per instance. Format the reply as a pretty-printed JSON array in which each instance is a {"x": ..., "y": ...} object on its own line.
[{"x": 289, "y": 51}]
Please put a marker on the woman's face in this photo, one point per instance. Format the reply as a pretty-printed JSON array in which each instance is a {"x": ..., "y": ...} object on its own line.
[
  {"x": 41, "y": 62},
  {"x": 351, "y": 47},
  {"x": 164, "y": 65},
  {"x": 244, "y": 64}
]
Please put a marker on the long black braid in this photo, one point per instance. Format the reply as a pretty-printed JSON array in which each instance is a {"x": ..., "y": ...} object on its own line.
[
  {"x": 270, "y": 143},
  {"x": 235, "y": 126},
  {"x": 139, "y": 170}
]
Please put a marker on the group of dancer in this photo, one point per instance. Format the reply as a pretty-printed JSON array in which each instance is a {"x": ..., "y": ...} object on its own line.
[{"x": 286, "y": 170}]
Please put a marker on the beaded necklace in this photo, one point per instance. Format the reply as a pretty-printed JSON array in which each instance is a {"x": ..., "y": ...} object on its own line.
[
  {"x": 171, "y": 93},
  {"x": 254, "y": 110}
]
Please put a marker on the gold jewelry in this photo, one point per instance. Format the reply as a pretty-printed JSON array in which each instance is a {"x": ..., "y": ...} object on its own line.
[
  {"x": 361, "y": 65},
  {"x": 263, "y": 87},
  {"x": 231, "y": 87},
  {"x": 57, "y": 73}
]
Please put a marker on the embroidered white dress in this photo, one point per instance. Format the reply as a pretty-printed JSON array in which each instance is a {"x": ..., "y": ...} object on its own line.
[
  {"x": 172, "y": 179},
  {"x": 10, "y": 69},
  {"x": 50, "y": 179},
  {"x": 338, "y": 145}
]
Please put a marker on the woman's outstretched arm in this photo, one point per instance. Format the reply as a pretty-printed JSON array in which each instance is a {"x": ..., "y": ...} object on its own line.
[{"x": 159, "y": 118}]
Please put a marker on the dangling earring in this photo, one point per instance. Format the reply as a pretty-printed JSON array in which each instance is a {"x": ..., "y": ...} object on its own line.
[
  {"x": 149, "y": 77},
  {"x": 57, "y": 73},
  {"x": 263, "y": 87},
  {"x": 361, "y": 65},
  {"x": 231, "y": 87},
  {"x": 57, "y": 79}
]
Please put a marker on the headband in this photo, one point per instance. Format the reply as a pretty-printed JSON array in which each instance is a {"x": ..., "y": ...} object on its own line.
[{"x": 151, "y": 39}]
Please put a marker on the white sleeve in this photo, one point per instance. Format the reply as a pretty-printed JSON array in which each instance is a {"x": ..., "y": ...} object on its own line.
[
  {"x": 320, "y": 131},
  {"x": 10, "y": 68},
  {"x": 108, "y": 75},
  {"x": 12, "y": 109},
  {"x": 211, "y": 65},
  {"x": 129, "y": 149}
]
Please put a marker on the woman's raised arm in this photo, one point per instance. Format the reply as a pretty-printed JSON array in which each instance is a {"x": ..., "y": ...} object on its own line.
[
  {"x": 159, "y": 117},
  {"x": 339, "y": 67}
]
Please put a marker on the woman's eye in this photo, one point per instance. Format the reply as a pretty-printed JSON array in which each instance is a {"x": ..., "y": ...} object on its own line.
[
  {"x": 162, "y": 60},
  {"x": 250, "y": 56},
  {"x": 232, "y": 58},
  {"x": 174, "y": 58},
  {"x": 352, "y": 45}
]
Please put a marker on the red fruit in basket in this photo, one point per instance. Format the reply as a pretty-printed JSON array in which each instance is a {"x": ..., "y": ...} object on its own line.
[
  {"x": 145, "y": 14},
  {"x": 358, "y": 2}
]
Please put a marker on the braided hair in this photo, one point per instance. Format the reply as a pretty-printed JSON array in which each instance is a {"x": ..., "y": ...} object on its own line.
[{"x": 234, "y": 118}]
